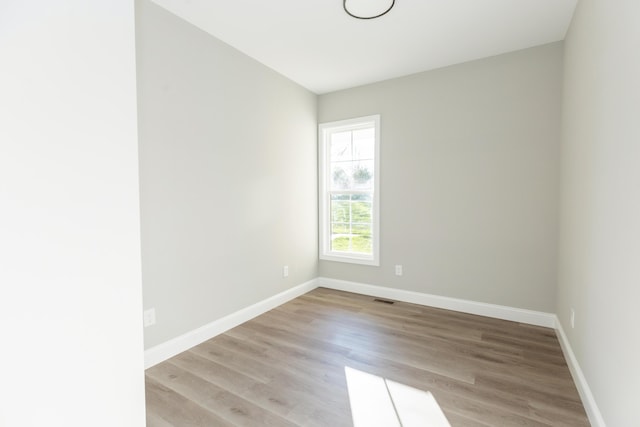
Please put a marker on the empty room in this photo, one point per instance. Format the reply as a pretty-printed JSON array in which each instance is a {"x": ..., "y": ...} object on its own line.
[{"x": 328, "y": 213}]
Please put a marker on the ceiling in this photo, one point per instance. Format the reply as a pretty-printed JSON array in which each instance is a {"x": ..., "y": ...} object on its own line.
[{"x": 316, "y": 44}]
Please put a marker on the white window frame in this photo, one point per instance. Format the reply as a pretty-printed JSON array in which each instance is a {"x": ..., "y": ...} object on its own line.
[{"x": 324, "y": 131}]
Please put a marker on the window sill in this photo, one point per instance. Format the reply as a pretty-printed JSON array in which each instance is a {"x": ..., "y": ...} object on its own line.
[{"x": 350, "y": 259}]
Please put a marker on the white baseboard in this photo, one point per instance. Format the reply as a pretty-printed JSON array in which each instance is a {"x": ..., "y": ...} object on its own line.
[
  {"x": 589, "y": 402},
  {"x": 177, "y": 345},
  {"x": 483, "y": 309},
  {"x": 530, "y": 317},
  {"x": 184, "y": 342},
  {"x": 168, "y": 349}
]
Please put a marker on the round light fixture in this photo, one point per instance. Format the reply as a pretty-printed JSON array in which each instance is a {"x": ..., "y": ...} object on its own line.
[{"x": 367, "y": 9}]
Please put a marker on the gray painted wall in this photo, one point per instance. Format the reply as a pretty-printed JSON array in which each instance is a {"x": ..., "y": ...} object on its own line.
[
  {"x": 599, "y": 270},
  {"x": 469, "y": 171},
  {"x": 228, "y": 176}
]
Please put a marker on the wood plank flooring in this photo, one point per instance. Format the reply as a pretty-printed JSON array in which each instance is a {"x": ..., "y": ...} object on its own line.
[{"x": 287, "y": 367}]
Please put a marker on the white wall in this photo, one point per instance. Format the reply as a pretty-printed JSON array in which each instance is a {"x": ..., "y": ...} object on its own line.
[
  {"x": 70, "y": 281},
  {"x": 228, "y": 177},
  {"x": 469, "y": 178},
  {"x": 599, "y": 270}
]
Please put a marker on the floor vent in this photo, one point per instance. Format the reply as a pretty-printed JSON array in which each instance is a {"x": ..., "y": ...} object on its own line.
[{"x": 385, "y": 301}]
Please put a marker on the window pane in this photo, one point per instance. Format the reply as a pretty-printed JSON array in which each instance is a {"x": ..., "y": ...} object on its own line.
[
  {"x": 340, "y": 211},
  {"x": 362, "y": 174},
  {"x": 340, "y": 244},
  {"x": 364, "y": 197},
  {"x": 340, "y": 228},
  {"x": 340, "y": 146},
  {"x": 361, "y": 212},
  {"x": 361, "y": 239},
  {"x": 341, "y": 176},
  {"x": 364, "y": 144},
  {"x": 356, "y": 175},
  {"x": 351, "y": 222}
]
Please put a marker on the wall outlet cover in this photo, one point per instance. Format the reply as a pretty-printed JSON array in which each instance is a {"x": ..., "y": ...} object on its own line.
[
  {"x": 149, "y": 317},
  {"x": 398, "y": 270}
]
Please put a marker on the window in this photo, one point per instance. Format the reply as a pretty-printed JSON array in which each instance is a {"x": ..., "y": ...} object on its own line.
[{"x": 349, "y": 190}]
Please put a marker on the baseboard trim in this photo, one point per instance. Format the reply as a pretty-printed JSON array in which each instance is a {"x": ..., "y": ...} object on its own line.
[
  {"x": 177, "y": 345},
  {"x": 589, "y": 402},
  {"x": 530, "y": 317},
  {"x": 166, "y": 350}
]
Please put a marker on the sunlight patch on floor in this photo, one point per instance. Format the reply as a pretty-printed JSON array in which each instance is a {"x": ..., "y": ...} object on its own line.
[{"x": 376, "y": 401}]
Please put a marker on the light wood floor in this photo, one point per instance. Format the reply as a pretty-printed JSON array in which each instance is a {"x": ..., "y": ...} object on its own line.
[{"x": 287, "y": 367}]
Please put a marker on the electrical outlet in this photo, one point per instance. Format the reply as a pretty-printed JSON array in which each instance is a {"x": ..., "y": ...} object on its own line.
[
  {"x": 573, "y": 318},
  {"x": 149, "y": 317},
  {"x": 398, "y": 270},
  {"x": 285, "y": 271}
]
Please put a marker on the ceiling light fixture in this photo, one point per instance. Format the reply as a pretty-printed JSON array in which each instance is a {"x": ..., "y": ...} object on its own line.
[{"x": 363, "y": 13}]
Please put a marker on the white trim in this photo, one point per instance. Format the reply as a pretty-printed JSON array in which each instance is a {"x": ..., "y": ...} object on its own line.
[
  {"x": 324, "y": 131},
  {"x": 531, "y": 317},
  {"x": 168, "y": 349},
  {"x": 351, "y": 258},
  {"x": 589, "y": 402},
  {"x": 177, "y": 345}
]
